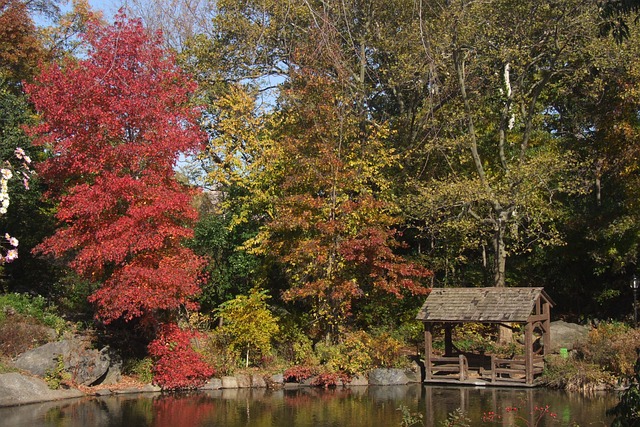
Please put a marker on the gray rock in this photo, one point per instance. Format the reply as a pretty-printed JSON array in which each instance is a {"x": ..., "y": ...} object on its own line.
[
  {"x": 114, "y": 373},
  {"x": 18, "y": 389},
  {"x": 566, "y": 335},
  {"x": 358, "y": 381},
  {"x": 229, "y": 382},
  {"x": 44, "y": 358},
  {"x": 85, "y": 365},
  {"x": 390, "y": 376},
  {"x": 147, "y": 388},
  {"x": 244, "y": 381},
  {"x": 257, "y": 381},
  {"x": 309, "y": 381},
  {"x": 212, "y": 384},
  {"x": 277, "y": 379}
]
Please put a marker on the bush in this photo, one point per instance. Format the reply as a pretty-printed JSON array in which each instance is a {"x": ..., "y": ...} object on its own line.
[
  {"x": 612, "y": 346},
  {"x": 27, "y": 305},
  {"x": 141, "y": 369},
  {"x": 249, "y": 324},
  {"x": 295, "y": 346},
  {"x": 177, "y": 364},
  {"x": 20, "y": 333},
  {"x": 219, "y": 353},
  {"x": 575, "y": 375},
  {"x": 298, "y": 374},
  {"x": 359, "y": 352}
]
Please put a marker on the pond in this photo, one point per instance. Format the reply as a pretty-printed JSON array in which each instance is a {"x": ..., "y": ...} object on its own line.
[{"x": 311, "y": 407}]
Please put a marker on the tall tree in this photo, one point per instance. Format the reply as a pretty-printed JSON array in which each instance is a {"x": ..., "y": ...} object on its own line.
[
  {"x": 497, "y": 167},
  {"x": 115, "y": 123}
]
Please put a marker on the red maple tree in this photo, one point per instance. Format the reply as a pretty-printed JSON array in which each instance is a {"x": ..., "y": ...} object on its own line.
[{"x": 114, "y": 123}]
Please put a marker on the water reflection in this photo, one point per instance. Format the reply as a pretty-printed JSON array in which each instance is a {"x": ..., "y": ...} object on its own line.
[{"x": 355, "y": 407}]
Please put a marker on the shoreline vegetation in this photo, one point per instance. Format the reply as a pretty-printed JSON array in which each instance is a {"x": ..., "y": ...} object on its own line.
[{"x": 603, "y": 360}]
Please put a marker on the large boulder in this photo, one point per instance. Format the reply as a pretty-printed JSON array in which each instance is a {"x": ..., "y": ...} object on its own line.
[
  {"x": 18, "y": 389},
  {"x": 566, "y": 335},
  {"x": 85, "y": 365},
  {"x": 390, "y": 376},
  {"x": 44, "y": 358}
]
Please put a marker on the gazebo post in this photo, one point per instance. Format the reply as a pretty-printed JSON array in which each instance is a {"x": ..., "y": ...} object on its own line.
[
  {"x": 448, "y": 342},
  {"x": 428, "y": 336},
  {"x": 546, "y": 329},
  {"x": 528, "y": 352}
]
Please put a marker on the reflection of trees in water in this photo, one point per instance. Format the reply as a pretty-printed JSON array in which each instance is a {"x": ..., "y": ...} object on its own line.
[
  {"x": 352, "y": 407},
  {"x": 514, "y": 407}
]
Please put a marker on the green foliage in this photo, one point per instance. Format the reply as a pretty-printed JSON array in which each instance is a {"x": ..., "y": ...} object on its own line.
[
  {"x": 220, "y": 354},
  {"x": 248, "y": 323},
  {"x": 410, "y": 418},
  {"x": 627, "y": 411},
  {"x": 142, "y": 369},
  {"x": 231, "y": 270},
  {"x": 358, "y": 352},
  {"x": 33, "y": 306},
  {"x": 57, "y": 376},
  {"x": 456, "y": 418},
  {"x": 294, "y": 345}
]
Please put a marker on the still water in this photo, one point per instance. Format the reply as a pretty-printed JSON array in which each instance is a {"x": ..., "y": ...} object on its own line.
[{"x": 310, "y": 407}]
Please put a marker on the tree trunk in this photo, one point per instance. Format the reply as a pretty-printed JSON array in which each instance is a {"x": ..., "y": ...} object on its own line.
[
  {"x": 505, "y": 335},
  {"x": 500, "y": 255}
]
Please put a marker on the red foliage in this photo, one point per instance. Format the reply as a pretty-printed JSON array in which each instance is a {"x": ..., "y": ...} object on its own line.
[
  {"x": 299, "y": 373},
  {"x": 330, "y": 379},
  {"x": 177, "y": 364},
  {"x": 182, "y": 410},
  {"x": 115, "y": 124}
]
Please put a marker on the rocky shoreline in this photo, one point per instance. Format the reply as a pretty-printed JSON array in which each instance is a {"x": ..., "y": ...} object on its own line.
[{"x": 20, "y": 389}]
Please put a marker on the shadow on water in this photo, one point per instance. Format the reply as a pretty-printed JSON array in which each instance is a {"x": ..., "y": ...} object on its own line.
[{"x": 311, "y": 407}]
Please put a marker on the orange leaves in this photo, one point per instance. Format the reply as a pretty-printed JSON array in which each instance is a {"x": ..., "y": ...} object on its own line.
[{"x": 332, "y": 228}]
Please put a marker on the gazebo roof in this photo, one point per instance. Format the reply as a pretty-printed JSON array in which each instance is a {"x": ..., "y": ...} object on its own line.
[{"x": 481, "y": 304}]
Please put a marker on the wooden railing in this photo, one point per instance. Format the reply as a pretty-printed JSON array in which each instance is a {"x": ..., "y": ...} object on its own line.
[
  {"x": 448, "y": 366},
  {"x": 514, "y": 370}
]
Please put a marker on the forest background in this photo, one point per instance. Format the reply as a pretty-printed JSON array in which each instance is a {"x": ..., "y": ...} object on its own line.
[{"x": 333, "y": 158}]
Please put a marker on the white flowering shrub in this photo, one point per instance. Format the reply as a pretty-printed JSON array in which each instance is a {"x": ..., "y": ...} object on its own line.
[{"x": 9, "y": 248}]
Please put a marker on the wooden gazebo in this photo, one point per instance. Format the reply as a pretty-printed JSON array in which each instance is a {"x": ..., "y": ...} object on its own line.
[{"x": 446, "y": 307}]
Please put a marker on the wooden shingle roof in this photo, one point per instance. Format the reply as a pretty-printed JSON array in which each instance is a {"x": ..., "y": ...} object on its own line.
[{"x": 480, "y": 304}]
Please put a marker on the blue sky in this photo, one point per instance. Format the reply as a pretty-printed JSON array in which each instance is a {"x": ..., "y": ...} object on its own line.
[{"x": 108, "y": 7}]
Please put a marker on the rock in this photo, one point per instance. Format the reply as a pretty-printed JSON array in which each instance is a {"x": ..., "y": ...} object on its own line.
[
  {"x": 391, "y": 376},
  {"x": 85, "y": 365},
  {"x": 244, "y": 381},
  {"x": 44, "y": 358},
  {"x": 212, "y": 384},
  {"x": 309, "y": 381},
  {"x": 257, "y": 381},
  {"x": 18, "y": 389},
  {"x": 114, "y": 373},
  {"x": 277, "y": 379},
  {"x": 229, "y": 382},
  {"x": 358, "y": 381},
  {"x": 566, "y": 335},
  {"x": 147, "y": 388},
  {"x": 414, "y": 373}
]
